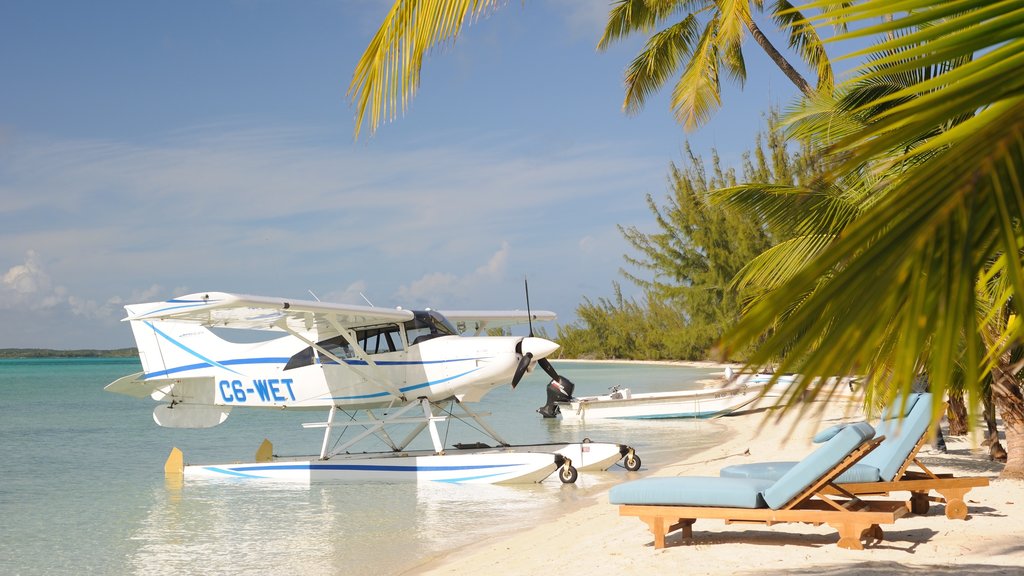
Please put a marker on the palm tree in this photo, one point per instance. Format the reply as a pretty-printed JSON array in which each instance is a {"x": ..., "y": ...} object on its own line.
[
  {"x": 388, "y": 73},
  {"x": 702, "y": 37},
  {"x": 901, "y": 280}
]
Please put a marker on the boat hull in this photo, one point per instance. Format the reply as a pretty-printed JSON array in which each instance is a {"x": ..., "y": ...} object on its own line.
[{"x": 687, "y": 404}]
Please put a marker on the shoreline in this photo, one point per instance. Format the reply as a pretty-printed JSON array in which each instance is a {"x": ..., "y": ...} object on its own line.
[
  {"x": 685, "y": 363},
  {"x": 594, "y": 540}
]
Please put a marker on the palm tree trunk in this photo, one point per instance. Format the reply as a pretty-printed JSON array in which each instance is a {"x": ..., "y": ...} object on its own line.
[
  {"x": 995, "y": 448},
  {"x": 777, "y": 57},
  {"x": 957, "y": 413},
  {"x": 1006, "y": 392}
]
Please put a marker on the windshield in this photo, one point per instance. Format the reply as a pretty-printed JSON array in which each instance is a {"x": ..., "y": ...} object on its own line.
[{"x": 428, "y": 324}]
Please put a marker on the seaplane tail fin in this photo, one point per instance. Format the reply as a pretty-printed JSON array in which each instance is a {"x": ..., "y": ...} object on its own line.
[{"x": 167, "y": 348}]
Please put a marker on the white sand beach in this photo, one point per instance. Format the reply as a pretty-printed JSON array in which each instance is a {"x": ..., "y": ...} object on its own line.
[{"x": 595, "y": 540}]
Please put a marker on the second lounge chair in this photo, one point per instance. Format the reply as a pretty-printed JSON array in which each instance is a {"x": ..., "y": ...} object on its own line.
[
  {"x": 799, "y": 495},
  {"x": 885, "y": 469}
]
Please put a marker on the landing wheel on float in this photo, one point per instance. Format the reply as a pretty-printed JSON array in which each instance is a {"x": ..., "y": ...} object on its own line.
[
  {"x": 568, "y": 474},
  {"x": 631, "y": 462}
]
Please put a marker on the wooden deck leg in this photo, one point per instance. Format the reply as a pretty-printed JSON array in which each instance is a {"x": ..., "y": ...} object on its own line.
[
  {"x": 956, "y": 509},
  {"x": 657, "y": 526},
  {"x": 661, "y": 526},
  {"x": 850, "y": 534},
  {"x": 687, "y": 525},
  {"x": 919, "y": 502}
]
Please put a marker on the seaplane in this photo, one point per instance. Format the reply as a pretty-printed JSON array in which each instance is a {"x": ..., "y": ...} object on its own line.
[{"x": 376, "y": 371}]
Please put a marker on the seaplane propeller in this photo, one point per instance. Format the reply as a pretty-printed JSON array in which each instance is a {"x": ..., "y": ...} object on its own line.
[
  {"x": 560, "y": 388},
  {"x": 523, "y": 366}
]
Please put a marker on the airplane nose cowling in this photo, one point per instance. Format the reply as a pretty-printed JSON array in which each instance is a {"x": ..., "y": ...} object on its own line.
[{"x": 538, "y": 347}]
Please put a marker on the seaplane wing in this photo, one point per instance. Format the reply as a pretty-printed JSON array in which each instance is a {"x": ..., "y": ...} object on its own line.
[
  {"x": 223, "y": 310},
  {"x": 477, "y": 322}
]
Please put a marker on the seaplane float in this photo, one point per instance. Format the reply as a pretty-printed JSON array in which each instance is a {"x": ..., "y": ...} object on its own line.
[{"x": 376, "y": 371}]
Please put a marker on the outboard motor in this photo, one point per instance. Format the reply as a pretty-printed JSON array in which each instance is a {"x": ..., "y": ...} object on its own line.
[{"x": 559, "y": 390}]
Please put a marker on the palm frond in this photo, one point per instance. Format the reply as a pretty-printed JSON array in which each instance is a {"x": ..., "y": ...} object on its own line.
[
  {"x": 660, "y": 59},
  {"x": 732, "y": 16},
  {"x": 801, "y": 210},
  {"x": 696, "y": 94},
  {"x": 805, "y": 40},
  {"x": 777, "y": 265},
  {"x": 734, "y": 63},
  {"x": 388, "y": 73},
  {"x": 627, "y": 17},
  {"x": 912, "y": 260}
]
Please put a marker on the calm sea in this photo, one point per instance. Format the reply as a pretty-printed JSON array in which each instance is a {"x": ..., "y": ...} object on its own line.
[{"x": 82, "y": 488}]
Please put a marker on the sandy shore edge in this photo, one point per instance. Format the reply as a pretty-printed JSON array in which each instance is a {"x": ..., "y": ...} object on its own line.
[{"x": 594, "y": 540}]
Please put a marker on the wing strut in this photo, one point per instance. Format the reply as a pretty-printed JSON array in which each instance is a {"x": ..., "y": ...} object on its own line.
[{"x": 371, "y": 375}]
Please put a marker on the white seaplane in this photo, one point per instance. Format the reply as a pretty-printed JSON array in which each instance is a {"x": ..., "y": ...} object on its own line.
[{"x": 379, "y": 368}]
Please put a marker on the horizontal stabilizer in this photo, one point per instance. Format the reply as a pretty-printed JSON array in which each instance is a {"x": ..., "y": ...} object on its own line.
[
  {"x": 134, "y": 385},
  {"x": 190, "y": 415}
]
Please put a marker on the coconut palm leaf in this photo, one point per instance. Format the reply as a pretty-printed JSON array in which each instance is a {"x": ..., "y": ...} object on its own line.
[
  {"x": 941, "y": 142},
  {"x": 912, "y": 260},
  {"x": 629, "y": 16},
  {"x": 661, "y": 58},
  {"x": 805, "y": 40},
  {"x": 696, "y": 94},
  {"x": 388, "y": 73},
  {"x": 732, "y": 18}
]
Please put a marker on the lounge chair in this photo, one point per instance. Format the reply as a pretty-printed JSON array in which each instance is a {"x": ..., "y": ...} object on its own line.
[
  {"x": 885, "y": 469},
  {"x": 668, "y": 503}
]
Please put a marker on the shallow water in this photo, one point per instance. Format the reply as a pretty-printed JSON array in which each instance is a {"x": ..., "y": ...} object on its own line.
[{"x": 82, "y": 487}]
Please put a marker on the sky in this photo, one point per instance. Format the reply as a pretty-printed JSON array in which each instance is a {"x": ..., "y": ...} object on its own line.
[{"x": 155, "y": 149}]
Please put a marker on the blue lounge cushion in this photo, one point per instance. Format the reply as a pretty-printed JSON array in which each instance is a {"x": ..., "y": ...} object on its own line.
[
  {"x": 859, "y": 472},
  {"x": 897, "y": 408},
  {"x": 882, "y": 463},
  {"x": 900, "y": 435},
  {"x": 692, "y": 491},
  {"x": 744, "y": 492},
  {"x": 827, "y": 434},
  {"x": 817, "y": 464}
]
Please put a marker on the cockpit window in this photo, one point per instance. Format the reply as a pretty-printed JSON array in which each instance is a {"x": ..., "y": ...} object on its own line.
[
  {"x": 427, "y": 324},
  {"x": 378, "y": 340}
]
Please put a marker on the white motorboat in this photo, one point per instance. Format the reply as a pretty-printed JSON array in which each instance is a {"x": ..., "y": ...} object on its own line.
[{"x": 623, "y": 403}]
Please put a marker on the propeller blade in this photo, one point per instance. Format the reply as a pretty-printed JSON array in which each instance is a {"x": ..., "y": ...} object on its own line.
[
  {"x": 524, "y": 364},
  {"x": 543, "y": 362},
  {"x": 529, "y": 315}
]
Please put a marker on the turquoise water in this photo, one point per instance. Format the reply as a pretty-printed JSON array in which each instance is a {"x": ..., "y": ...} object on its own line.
[{"x": 82, "y": 488}]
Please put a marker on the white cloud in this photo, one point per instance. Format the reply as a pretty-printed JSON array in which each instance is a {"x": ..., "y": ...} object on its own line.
[
  {"x": 451, "y": 290},
  {"x": 28, "y": 279},
  {"x": 28, "y": 286},
  {"x": 354, "y": 293}
]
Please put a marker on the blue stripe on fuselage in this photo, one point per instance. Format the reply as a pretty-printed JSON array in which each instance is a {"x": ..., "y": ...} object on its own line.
[
  {"x": 405, "y": 389},
  {"x": 222, "y": 364}
]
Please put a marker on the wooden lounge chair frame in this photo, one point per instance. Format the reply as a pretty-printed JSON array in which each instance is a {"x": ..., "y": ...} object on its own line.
[
  {"x": 951, "y": 490},
  {"x": 853, "y": 518}
]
